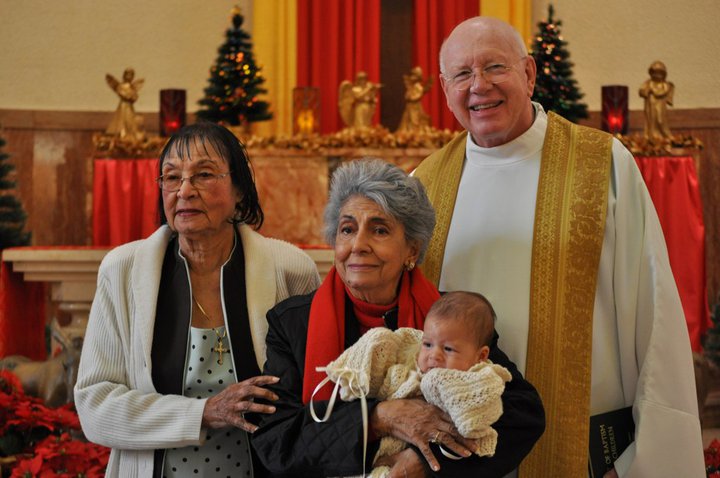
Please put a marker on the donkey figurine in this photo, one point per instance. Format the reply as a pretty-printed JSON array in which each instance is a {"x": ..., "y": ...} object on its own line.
[{"x": 53, "y": 379}]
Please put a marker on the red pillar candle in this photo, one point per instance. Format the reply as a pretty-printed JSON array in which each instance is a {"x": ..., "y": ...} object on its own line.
[
  {"x": 306, "y": 110},
  {"x": 172, "y": 111},
  {"x": 615, "y": 109}
]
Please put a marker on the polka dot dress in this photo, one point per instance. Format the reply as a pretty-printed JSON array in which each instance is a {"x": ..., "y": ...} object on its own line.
[{"x": 226, "y": 451}]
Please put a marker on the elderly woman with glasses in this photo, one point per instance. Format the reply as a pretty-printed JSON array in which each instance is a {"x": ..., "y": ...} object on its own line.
[
  {"x": 176, "y": 337},
  {"x": 379, "y": 221}
]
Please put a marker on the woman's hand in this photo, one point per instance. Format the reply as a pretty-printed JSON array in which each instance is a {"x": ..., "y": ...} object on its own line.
[
  {"x": 404, "y": 464},
  {"x": 417, "y": 422},
  {"x": 229, "y": 406}
]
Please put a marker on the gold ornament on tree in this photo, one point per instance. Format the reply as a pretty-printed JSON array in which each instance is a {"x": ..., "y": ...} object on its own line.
[
  {"x": 658, "y": 95},
  {"x": 414, "y": 117},
  {"x": 357, "y": 101}
]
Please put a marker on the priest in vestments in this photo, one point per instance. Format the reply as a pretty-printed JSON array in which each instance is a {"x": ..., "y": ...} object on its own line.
[{"x": 553, "y": 223}]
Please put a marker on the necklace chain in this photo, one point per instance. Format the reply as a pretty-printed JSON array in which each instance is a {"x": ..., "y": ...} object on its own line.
[
  {"x": 220, "y": 346},
  {"x": 201, "y": 309}
]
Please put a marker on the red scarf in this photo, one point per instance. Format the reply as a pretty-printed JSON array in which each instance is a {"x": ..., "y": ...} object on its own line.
[
  {"x": 369, "y": 315},
  {"x": 326, "y": 327}
]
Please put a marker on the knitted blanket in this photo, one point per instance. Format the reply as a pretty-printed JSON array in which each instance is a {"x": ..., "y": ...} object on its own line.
[{"x": 382, "y": 365}]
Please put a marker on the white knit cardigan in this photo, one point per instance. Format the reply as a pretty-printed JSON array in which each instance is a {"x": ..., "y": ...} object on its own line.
[{"x": 114, "y": 395}]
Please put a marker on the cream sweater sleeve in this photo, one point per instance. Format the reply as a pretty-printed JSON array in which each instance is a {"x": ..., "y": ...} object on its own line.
[{"x": 114, "y": 395}]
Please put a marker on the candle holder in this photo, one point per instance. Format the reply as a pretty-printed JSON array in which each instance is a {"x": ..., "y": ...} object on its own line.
[
  {"x": 306, "y": 110},
  {"x": 172, "y": 111},
  {"x": 615, "y": 109}
]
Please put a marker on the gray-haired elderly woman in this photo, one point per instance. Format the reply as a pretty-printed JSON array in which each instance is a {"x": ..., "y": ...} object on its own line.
[{"x": 379, "y": 221}]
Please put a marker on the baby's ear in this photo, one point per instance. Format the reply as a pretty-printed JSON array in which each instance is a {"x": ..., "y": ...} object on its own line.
[{"x": 483, "y": 353}]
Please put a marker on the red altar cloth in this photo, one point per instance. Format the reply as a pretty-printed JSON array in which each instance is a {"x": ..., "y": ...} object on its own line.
[
  {"x": 22, "y": 315},
  {"x": 125, "y": 197},
  {"x": 22, "y": 310},
  {"x": 673, "y": 185},
  {"x": 125, "y": 209}
]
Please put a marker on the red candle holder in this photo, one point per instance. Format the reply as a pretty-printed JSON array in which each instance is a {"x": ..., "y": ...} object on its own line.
[
  {"x": 172, "y": 111},
  {"x": 306, "y": 110},
  {"x": 615, "y": 109}
]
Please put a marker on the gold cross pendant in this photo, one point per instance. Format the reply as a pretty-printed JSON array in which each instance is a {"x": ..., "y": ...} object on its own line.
[{"x": 220, "y": 350}]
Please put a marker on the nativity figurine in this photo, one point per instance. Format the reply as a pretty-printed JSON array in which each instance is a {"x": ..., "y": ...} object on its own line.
[
  {"x": 126, "y": 124},
  {"x": 357, "y": 101},
  {"x": 658, "y": 95},
  {"x": 414, "y": 117}
]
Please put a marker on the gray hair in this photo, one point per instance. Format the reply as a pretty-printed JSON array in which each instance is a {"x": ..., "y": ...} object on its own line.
[{"x": 399, "y": 195}]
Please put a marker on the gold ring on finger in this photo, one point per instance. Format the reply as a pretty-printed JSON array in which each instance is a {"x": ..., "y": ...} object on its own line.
[{"x": 436, "y": 438}]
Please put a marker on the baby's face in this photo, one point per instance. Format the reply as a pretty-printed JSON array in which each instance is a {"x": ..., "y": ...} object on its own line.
[{"x": 447, "y": 343}]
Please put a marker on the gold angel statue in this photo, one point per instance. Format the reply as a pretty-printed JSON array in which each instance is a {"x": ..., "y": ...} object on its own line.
[
  {"x": 125, "y": 123},
  {"x": 658, "y": 94},
  {"x": 357, "y": 101},
  {"x": 414, "y": 116}
]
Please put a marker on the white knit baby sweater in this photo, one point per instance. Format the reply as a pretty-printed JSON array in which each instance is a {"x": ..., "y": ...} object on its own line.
[{"x": 382, "y": 365}]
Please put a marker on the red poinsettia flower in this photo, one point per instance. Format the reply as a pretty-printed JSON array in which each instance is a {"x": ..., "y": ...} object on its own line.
[
  {"x": 32, "y": 415},
  {"x": 9, "y": 383},
  {"x": 5, "y": 401},
  {"x": 51, "y": 474},
  {"x": 68, "y": 457},
  {"x": 65, "y": 417},
  {"x": 712, "y": 456},
  {"x": 56, "y": 456},
  {"x": 27, "y": 468}
]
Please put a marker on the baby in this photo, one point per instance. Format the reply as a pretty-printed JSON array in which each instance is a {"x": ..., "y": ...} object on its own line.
[
  {"x": 446, "y": 363},
  {"x": 457, "y": 333}
]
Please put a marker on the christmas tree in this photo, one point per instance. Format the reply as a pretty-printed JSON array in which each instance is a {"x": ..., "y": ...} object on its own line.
[
  {"x": 12, "y": 215},
  {"x": 235, "y": 81},
  {"x": 555, "y": 89}
]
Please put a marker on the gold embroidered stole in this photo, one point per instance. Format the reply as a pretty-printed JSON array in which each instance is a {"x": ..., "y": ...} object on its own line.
[{"x": 568, "y": 235}]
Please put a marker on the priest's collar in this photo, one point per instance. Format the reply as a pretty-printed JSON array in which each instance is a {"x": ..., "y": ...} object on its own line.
[{"x": 526, "y": 145}]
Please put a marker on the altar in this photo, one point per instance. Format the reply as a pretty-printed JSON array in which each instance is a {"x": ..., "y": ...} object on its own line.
[
  {"x": 71, "y": 275},
  {"x": 293, "y": 187},
  {"x": 70, "y": 272}
]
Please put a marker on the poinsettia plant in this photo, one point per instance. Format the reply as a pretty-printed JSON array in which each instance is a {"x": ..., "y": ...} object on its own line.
[
  {"x": 712, "y": 459},
  {"x": 37, "y": 441}
]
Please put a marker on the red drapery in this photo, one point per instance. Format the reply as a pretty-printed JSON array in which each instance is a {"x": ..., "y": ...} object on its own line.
[
  {"x": 673, "y": 186},
  {"x": 336, "y": 39},
  {"x": 125, "y": 200},
  {"x": 22, "y": 315},
  {"x": 434, "y": 20}
]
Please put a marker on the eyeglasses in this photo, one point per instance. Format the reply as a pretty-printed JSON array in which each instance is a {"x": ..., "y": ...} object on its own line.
[
  {"x": 173, "y": 182},
  {"x": 495, "y": 73}
]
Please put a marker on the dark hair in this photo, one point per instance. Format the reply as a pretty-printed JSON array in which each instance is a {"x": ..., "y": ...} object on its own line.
[
  {"x": 399, "y": 195},
  {"x": 229, "y": 147},
  {"x": 470, "y": 307}
]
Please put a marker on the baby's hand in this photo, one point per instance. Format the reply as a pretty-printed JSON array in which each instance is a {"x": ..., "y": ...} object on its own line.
[{"x": 404, "y": 464}]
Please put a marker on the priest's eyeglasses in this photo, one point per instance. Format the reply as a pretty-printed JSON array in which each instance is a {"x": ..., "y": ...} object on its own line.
[
  {"x": 204, "y": 180},
  {"x": 494, "y": 73}
]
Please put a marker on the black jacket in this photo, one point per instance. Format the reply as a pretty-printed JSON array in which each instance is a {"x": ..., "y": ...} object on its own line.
[
  {"x": 172, "y": 326},
  {"x": 291, "y": 444}
]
